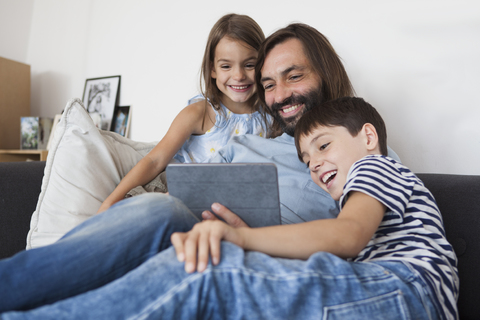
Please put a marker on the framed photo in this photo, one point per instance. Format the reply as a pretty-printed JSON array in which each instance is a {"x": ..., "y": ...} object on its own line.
[
  {"x": 121, "y": 120},
  {"x": 100, "y": 97}
]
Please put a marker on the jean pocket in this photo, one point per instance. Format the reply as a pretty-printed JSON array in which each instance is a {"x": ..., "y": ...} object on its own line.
[{"x": 387, "y": 306}]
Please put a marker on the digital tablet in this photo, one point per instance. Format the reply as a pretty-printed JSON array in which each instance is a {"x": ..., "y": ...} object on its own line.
[{"x": 248, "y": 189}]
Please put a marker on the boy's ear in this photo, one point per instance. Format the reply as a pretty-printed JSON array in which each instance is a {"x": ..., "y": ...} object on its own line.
[{"x": 372, "y": 137}]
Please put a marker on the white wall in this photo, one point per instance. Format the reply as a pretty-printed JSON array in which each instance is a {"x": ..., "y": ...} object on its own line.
[{"x": 416, "y": 61}]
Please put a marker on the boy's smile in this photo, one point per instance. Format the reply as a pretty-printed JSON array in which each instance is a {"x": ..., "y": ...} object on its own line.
[{"x": 329, "y": 153}]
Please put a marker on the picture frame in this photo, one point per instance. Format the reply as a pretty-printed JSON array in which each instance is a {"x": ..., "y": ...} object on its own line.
[
  {"x": 35, "y": 132},
  {"x": 122, "y": 117},
  {"x": 100, "y": 97}
]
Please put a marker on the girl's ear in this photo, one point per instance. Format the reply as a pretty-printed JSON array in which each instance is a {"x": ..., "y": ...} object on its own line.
[
  {"x": 213, "y": 74},
  {"x": 372, "y": 137}
]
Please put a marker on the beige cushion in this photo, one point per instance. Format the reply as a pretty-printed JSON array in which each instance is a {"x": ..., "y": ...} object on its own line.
[{"x": 84, "y": 165}]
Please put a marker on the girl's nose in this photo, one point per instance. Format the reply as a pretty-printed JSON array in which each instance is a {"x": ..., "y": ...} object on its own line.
[{"x": 238, "y": 74}]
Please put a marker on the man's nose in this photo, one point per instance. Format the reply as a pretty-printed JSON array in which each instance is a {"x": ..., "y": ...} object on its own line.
[{"x": 281, "y": 93}]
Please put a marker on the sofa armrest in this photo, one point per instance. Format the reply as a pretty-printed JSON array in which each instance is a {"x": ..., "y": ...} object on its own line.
[
  {"x": 20, "y": 186},
  {"x": 458, "y": 199}
]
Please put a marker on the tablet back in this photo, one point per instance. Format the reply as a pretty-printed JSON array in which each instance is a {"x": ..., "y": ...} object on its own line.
[{"x": 248, "y": 189}]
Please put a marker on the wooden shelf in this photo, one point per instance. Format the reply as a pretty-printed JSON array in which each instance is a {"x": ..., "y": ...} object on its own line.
[{"x": 8, "y": 155}]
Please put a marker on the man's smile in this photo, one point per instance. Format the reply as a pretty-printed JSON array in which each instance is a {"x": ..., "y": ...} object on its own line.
[{"x": 291, "y": 110}]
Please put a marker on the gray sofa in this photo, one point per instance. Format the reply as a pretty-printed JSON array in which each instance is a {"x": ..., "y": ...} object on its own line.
[{"x": 458, "y": 197}]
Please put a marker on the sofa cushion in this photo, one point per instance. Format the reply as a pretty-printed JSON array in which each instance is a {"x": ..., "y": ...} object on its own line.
[{"x": 84, "y": 165}]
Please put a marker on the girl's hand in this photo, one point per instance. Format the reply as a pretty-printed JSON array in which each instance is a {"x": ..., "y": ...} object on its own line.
[
  {"x": 105, "y": 205},
  {"x": 204, "y": 239},
  {"x": 231, "y": 218}
]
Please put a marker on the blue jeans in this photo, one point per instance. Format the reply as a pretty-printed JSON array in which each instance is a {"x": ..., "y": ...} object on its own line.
[
  {"x": 93, "y": 254},
  {"x": 245, "y": 285}
]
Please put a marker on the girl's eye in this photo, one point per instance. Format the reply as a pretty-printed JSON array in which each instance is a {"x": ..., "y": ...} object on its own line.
[
  {"x": 225, "y": 67},
  {"x": 324, "y": 146},
  {"x": 250, "y": 66}
]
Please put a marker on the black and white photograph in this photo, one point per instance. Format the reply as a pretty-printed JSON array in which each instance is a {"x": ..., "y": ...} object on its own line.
[
  {"x": 121, "y": 120},
  {"x": 100, "y": 97}
]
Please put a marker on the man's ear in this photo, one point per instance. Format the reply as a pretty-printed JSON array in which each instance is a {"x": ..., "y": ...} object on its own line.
[{"x": 372, "y": 137}]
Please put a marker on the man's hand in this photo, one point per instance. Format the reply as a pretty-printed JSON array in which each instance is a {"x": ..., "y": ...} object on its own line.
[{"x": 231, "y": 218}]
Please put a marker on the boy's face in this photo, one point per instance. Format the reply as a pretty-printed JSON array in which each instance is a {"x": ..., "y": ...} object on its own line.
[{"x": 329, "y": 152}]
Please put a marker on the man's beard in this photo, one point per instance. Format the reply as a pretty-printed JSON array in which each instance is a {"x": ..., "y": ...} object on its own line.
[{"x": 309, "y": 100}]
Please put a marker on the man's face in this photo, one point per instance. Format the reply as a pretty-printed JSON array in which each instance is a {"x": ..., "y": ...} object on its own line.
[{"x": 291, "y": 86}]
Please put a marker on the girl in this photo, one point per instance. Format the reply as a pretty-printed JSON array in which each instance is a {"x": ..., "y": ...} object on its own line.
[{"x": 229, "y": 105}]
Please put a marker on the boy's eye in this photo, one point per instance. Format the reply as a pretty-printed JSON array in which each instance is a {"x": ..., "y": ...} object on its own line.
[{"x": 322, "y": 147}]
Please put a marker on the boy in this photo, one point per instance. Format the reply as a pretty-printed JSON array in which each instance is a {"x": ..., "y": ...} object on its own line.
[
  {"x": 389, "y": 225},
  {"x": 344, "y": 145}
]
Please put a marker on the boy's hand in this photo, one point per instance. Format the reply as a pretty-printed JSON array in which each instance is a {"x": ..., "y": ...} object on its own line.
[
  {"x": 203, "y": 240},
  {"x": 231, "y": 218}
]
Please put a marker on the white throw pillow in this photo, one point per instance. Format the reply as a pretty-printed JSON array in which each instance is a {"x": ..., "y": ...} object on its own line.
[{"x": 84, "y": 165}]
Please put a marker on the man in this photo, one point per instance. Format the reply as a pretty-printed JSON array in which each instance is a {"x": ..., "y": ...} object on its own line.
[{"x": 294, "y": 63}]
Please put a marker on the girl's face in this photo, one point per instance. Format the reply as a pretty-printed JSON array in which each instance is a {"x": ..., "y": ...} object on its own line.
[{"x": 234, "y": 72}]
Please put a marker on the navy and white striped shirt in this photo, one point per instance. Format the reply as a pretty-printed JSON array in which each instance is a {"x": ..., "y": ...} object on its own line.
[{"x": 412, "y": 227}]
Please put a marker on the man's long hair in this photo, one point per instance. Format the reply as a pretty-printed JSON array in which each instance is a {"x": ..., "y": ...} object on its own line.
[{"x": 322, "y": 57}]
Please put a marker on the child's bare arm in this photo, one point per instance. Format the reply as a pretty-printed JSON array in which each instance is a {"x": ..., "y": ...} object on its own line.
[
  {"x": 187, "y": 122},
  {"x": 344, "y": 236}
]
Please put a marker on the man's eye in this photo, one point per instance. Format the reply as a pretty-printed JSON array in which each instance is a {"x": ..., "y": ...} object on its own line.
[
  {"x": 268, "y": 86},
  {"x": 295, "y": 77}
]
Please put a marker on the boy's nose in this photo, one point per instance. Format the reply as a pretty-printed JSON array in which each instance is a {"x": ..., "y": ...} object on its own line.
[{"x": 315, "y": 164}]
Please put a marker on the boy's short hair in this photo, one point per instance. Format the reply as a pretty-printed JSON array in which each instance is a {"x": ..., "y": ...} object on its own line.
[{"x": 349, "y": 112}]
